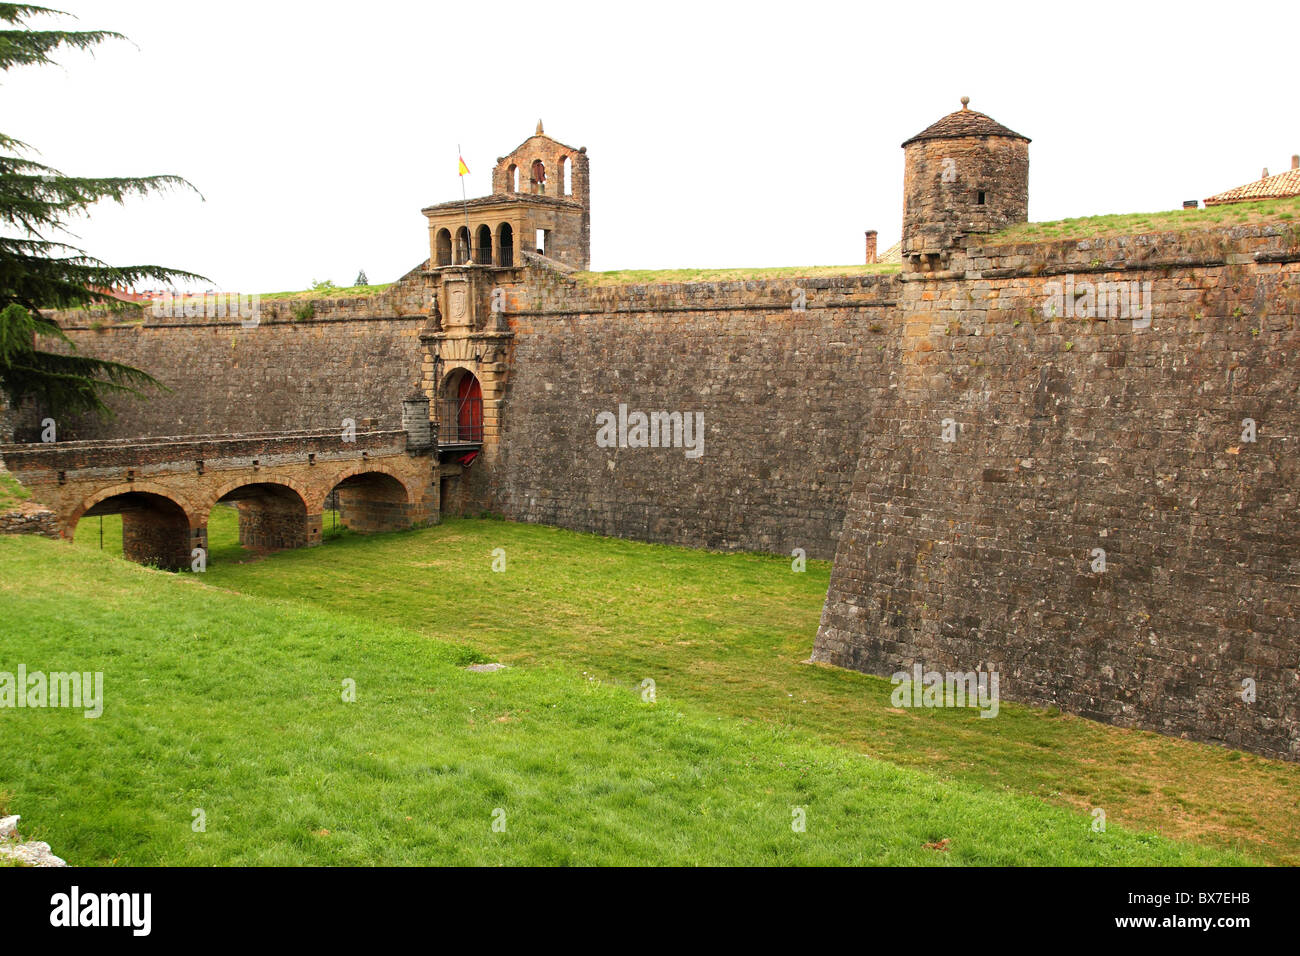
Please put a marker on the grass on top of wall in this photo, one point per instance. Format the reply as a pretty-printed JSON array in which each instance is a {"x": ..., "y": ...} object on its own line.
[
  {"x": 135, "y": 313},
  {"x": 12, "y": 493},
  {"x": 728, "y": 634},
  {"x": 662, "y": 276},
  {"x": 1171, "y": 220},
  {"x": 348, "y": 292}
]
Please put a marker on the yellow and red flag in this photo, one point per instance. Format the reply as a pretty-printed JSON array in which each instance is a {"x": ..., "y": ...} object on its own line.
[{"x": 463, "y": 168}]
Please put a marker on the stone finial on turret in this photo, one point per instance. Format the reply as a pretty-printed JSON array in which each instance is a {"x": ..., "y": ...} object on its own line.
[{"x": 539, "y": 127}]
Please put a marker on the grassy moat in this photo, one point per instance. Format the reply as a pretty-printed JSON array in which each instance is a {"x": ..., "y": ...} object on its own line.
[{"x": 224, "y": 693}]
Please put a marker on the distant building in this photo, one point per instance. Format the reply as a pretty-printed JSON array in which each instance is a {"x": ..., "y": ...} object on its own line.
[
  {"x": 1266, "y": 187},
  {"x": 125, "y": 295}
]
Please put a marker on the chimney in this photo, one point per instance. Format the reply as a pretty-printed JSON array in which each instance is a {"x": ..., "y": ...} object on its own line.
[
  {"x": 871, "y": 247},
  {"x": 1264, "y": 174},
  {"x": 1295, "y": 161}
]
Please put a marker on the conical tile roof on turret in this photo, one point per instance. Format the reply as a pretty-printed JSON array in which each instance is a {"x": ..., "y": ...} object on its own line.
[{"x": 965, "y": 122}]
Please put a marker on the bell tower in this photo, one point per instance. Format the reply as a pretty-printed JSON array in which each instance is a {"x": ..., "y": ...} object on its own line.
[{"x": 540, "y": 205}]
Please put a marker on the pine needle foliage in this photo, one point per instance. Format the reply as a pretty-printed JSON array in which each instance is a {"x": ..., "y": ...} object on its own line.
[{"x": 40, "y": 270}]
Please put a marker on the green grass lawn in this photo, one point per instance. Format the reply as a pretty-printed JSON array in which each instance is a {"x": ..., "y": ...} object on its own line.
[{"x": 223, "y": 693}]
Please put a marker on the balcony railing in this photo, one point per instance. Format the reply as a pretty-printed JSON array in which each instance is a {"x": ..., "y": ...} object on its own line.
[{"x": 461, "y": 421}]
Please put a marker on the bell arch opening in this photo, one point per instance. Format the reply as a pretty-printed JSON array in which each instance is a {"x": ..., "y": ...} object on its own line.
[
  {"x": 505, "y": 244},
  {"x": 483, "y": 252}
]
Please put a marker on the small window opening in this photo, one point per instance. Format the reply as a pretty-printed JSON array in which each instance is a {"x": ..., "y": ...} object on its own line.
[{"x": 979, "y": 200}]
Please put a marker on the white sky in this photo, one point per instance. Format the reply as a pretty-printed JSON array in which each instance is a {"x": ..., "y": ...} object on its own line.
[{"x": 736, "y": 134}]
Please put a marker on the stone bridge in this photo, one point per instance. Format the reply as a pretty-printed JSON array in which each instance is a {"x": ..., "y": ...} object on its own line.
[{"x": 165, "y": 488}]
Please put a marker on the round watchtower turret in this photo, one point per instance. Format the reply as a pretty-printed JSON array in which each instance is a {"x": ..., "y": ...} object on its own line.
[{"x": 965, "y": 174}]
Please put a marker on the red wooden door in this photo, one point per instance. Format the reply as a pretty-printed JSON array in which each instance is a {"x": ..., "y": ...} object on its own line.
[{"x": 469, "y": 409}]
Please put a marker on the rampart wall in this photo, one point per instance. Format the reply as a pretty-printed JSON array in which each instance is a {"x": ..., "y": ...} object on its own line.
[{"x": 1081, "y": 435}]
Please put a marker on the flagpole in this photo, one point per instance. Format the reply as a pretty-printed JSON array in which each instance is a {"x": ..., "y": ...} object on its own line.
[{"x": 469, "y": 238}]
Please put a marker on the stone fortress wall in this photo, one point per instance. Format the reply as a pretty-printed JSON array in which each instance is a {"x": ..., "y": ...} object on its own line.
[
  {"x": 1172, "y": 448},
  {"x": 965, "y": 438}
]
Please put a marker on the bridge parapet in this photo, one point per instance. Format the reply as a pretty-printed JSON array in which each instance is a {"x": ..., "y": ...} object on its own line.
[
  {"x": 41, "y": 462},
  {"x": 165, "y": 488}
]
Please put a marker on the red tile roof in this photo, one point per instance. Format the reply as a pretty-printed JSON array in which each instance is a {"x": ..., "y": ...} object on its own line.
[
  {"x": 1271, "y": 187},
  {"x": 125, "y": 295}
]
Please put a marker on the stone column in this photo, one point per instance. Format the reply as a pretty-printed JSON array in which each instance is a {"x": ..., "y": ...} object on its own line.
[{"x": 416, "y": 423}]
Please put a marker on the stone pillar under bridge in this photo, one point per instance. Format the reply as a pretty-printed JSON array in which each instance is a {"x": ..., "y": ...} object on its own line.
[{"x": 159, "y": 537}]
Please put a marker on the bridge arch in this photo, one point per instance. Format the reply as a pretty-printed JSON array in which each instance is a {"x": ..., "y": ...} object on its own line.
[
  {"x": 372, "y": 498},
  {"x": 273, "y": 513},
  {"x": 159, "y": 526},
  {"x": 303, "y": 491}
]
